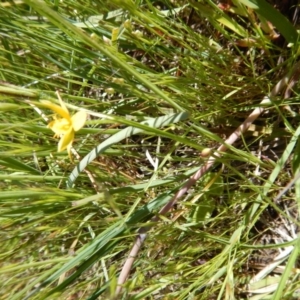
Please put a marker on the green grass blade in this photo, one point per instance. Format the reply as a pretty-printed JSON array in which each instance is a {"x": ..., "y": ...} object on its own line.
[
  {"x": 15, "y": 164},
  {"x": 110, "y": 52},
  {"x": 123, "y": 134},
  {"x": 271, "y": 14}
]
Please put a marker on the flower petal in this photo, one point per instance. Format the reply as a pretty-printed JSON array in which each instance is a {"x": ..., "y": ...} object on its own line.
[
  {"x": 63, "y": 106},
  {"x": 61, "y": 110},
  {"x": 78, "y": 120},
  {"x": 60, "y": 126},
  {"x": 66, "y": 140}
]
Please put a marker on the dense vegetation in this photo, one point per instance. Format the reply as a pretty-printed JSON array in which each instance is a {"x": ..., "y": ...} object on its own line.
[{"x": 176, "y": 126}]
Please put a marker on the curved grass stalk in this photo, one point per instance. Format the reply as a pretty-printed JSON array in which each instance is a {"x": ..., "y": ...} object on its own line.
[{"x": 121, "y": 135}]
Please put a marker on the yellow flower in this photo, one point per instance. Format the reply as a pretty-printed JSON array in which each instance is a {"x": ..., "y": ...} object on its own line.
[{"x": 63, "y": 125}]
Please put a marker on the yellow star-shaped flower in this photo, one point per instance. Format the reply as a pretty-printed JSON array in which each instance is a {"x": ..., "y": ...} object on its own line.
[{"x": 64, "y": 125}]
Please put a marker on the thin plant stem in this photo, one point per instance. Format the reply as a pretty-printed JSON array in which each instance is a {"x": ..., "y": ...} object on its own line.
[{"x": 142, "y": 232}]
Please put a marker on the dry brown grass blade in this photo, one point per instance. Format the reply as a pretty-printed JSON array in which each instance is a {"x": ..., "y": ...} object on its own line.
[{"x": 142, "y": 233}]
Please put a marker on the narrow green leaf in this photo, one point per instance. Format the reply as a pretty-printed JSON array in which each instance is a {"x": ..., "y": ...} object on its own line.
[
  {"x": 9, "y": 106},
  {"x": 17, "y": 91},
  {"x": 271, "y": 14},
  {"x": 288, "y": 270},
  {"x": 77, "y": 34},
  {"x": 119, "y": 136},
  {"x": 17, "y": 165},
  {"x": 250, "y": 217}
]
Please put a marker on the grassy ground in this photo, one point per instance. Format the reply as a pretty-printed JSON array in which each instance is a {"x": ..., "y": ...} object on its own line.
[{"x": 163, "y": 84}]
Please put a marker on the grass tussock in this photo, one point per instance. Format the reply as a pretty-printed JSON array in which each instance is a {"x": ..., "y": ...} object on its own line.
[{"x": 163, "y": 85}]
